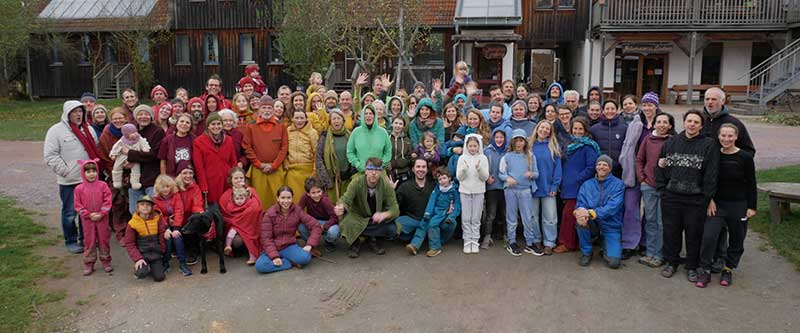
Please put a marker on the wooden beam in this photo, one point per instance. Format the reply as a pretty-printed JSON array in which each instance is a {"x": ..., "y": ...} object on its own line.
[{"x": 692, "y": 53}]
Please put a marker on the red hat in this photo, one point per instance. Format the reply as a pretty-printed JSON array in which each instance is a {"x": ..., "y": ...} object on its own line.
[
  {"x": 250, "y": 68},
  {"x": 158, "y": 88},
  {"x": 246, "y": 80}
]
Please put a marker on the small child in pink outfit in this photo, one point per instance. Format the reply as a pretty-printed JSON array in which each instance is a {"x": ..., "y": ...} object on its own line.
[{"x": 93, "y": 202}]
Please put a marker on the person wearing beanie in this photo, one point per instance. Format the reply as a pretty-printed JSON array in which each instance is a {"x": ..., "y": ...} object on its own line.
[
  {"x": 144, "y": 118},
  {"x": 98, "y": 118},
  {"x": 89, "y": 102},
  {"x": 419, "y": 90},
  {"x": 252, "y": 72},
  {"x": 144, "y": 240},
  {"x": 130, "y": 140},
  {"x": 246, "y": 86},
  {"x": 266, "y": 144},
  {"x": 158, "y": 94},
  {"x": 331, "y": 99},
  {"x": 599, "y": 210},
  {"x": 213, "y": 157}
]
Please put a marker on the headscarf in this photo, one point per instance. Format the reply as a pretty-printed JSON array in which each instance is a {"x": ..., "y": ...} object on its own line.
[{"x": 217, "y": 139}]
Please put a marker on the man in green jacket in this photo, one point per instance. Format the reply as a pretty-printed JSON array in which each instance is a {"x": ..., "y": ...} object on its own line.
[{"x": 368, "y": 209}]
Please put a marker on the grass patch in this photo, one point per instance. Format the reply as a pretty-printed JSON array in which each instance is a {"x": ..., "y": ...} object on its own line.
[
  {"x": 23, "y": 305},
  {"x": 29, "y": 121},
  {"x": 784, "y": 237},
  {"x": 789, "y": 119}
]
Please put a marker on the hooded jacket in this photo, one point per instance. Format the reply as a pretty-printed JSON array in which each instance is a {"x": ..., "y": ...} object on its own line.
[
  {"x": 549, "y": 169},
  {"x": 712, "y": 124},
  {"x": 605, "y": 197},
  {"x": 578, "y": 168},
  {"x": 515, "y": 165},
  {"x": 415, "y": 132},
  {"x": 171, "y": 209},
  {"x": 610, "y": 134},
  {"x": 526, "y": 125},
  {"x": 402, "y": 114},
  {"x": 401, "y": 152},
  {"x": 319, "y": 118},
  {"x": 627, "y": 158},
  {"x": 92, "y": 197},
  {"x": 366, "y": 142},
  {"x": 549, "y": 99},
  {"x": 440, "y": 201},
  {"x": 494, "y": 154},
  {"x": 62, "y": 149},
  {"x": 138, "y": 228},
  {"x": 470, "y": 180}
]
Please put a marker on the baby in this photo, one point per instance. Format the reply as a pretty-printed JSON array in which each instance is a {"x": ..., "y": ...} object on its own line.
[{"x": 132, "y": 141}]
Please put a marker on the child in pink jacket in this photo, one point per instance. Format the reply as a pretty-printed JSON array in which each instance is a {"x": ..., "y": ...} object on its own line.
[{"x": 93, "y": 202}]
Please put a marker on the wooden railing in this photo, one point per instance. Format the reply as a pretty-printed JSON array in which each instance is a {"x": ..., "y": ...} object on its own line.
[
  {"x": 125, "y": 75},
  {"x": 696, "y": 13},
  {"x": 103, "y": 79}
]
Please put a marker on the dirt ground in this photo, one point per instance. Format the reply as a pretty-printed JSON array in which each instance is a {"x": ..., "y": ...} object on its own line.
[{"x": 396, "y": 292}]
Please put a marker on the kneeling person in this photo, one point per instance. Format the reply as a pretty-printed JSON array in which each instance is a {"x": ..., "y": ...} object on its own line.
[
  {"x": 599, "y": 210},
  {"x": 143, "y": 240},
  {"x": 439, "y": 221}
]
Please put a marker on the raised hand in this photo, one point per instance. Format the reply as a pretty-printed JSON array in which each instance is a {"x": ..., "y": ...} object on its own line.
[
  {"x": 385, "y": 80},
  {"x": 437, "y": 85},
  {"x": 362, "y": 79}
]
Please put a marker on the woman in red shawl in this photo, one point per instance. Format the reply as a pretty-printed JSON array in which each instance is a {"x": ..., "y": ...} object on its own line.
[
  {"x": 241, "y": 210},
  {"x": 213, "y": 156}
]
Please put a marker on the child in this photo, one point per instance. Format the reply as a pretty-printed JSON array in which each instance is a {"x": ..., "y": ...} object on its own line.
[
  {"x": 143, "y": 242},
  {"x": 259, "y": 85},
  {"x": 400, "y": 167},
  {"x": 93, "y": 202},
  {"x": 428, "y": 150},
  {"x": 314, "y": 81},
  {"x": 439, "y": 221},
  {"x": 547, "y": 152},
  {"x": 317, "y": 204},
  {"x": 472, "y": 173},
  {"x": 494, "y": 198},
  {"x": 518, "y": 170},
  {"x": 168, "y": 203},
  {"x": 193, "y": 203},
  {"x": 130, "y": 140},
  {"x": 454, "y": 149},
  {"x": 241, "y": 210}
]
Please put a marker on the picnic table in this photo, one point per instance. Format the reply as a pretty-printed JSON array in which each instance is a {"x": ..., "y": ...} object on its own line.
[{"x": 780, "y": 196}]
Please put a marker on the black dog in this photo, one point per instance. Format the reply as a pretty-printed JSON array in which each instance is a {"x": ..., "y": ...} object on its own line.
[{"x": 199, "y": 225}]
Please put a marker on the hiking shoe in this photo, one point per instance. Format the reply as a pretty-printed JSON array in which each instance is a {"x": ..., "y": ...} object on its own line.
[
  {"x": 411, "y": 249},
  {"x": 107, "y": 267},
  {"x": 561, "y": 249},
  {"x": 692, "y": 275},
  {"x": 474, "y": 247},
  {"x": 185, "y": 270},
  {"x": 669, "y": 270},
  {"x": 717, "y": 266},
  {"x": 355, "y": 248},
  {"x": 585, "y": 260},
  {"x": 727, "y": 277},
  {"x": 650, "y": 261},
  {"x": 88, "y": 269},
  {"x": 432, "y": 253},
  {"x": 613, "y": 263},
  {"x": 548, "y": 251},
  {"x": 191, "y": 259},
  {"x": 487, "y": 242},
  {"x": 514, "y": 249},
  {"x": 373, "y": 245},
  {"x": 703, "y": 279},
  {"x": 74, "y": 248}
]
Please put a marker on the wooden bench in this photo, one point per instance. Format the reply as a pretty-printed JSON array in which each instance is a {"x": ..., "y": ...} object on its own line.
[
  {"x": 780, "y": 196},
  {"x": 681, "y": 90}
]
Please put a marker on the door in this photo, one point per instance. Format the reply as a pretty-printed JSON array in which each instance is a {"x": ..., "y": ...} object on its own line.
[
  {"x": 543, "y": 69},
  {"x": 653, "y": 74},
  {"x": 626, "y": 75},
  {"x": 488, "y": 71}
]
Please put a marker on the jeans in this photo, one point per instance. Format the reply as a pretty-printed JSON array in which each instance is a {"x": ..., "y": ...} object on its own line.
[
  {"x": 631, "y": 220},
  {"x": 549, "y": 220},
  {"x": 135, "y": 195},
  {"x": 653, "y": 227},
  {"x": 730, "y": 214},
  {"x": 175, "y": 244},
  {"x": 330, "y": 235},
  {"x": 292, "y": 254},
  {"x": 408, "y": 227},
  {"x": 72, "y": 232},
  {"x": 493, "y": 212},
  {"x": 438, "y": 231},
  {"x": 519, "y": 202},
  {"x": 612, "y": 237}
]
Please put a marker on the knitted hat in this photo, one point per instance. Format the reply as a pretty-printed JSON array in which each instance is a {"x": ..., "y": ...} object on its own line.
[
  {"x": 605, "y": 158},
  {"x": 98, "y": 108},
  {"x": 144, "y": 108},
  {"x": 158, "y": 88},
  {"x": 250, "y": 68},
  {"x": 213, "y": 116},
  {"x": 650, "y": 97},
  {"x": 87, "y": 96},
  {"x": 331, "y": 94},
  {"x": 161, "y": 105},
  {"x": 246, "y": 80},
  {"x": 419, "y": 84},
  {"x": 128, "y": 129},
  {"x": 518, "y": 133},
  {"x": 267, "y": 100}
]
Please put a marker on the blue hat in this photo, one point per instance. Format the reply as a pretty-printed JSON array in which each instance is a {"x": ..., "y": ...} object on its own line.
[
  {"x": 518, "y": 133},
  {"x": 87, "y": 96}
]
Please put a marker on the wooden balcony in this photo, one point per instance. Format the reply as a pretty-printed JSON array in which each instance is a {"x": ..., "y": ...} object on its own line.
[{"x": 692, "y": 15}]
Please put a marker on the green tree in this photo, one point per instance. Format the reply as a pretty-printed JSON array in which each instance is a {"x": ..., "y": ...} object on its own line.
[
  {"x": 302, "y": 50},
  {"x": 16, "y": 26}
]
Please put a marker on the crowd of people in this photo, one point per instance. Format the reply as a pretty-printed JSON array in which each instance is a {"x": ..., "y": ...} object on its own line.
[{"x": 295, "y": 174}]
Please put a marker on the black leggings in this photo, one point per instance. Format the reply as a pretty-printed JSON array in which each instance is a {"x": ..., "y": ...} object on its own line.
[{"x": 730, "y": 215}]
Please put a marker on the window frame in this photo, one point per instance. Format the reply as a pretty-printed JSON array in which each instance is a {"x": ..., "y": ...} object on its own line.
[
  {"x": 206, "y": 61},
  {"x": 242, "y": 37},
  {"x": 178, "y": 50},
  {"x": 551, "y": 7},
  {"x": 560, "y": 6}
]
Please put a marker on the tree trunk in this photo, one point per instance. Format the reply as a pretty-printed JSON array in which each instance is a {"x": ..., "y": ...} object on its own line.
[{"x": 4, "y": 78}]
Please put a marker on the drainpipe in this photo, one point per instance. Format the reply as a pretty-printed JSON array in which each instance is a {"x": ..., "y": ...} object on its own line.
[{"x": 455, "y": 47}]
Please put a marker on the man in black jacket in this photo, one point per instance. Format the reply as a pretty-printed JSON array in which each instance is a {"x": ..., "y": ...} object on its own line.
[
  {"x": 687, "y": 180},
  {"x": 412, "y": 197},
  {"x": 715, "y": 113}
]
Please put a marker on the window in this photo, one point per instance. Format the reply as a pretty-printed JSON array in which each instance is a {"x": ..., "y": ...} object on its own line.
[
  {"x": 432, "y": 52},
  {"x": 712, "y": 59},
  {"x": 246, "y": 47},
  {"x": 761, "y": 51},
  {"x": 211, "y": 49},
  {"x": 544, "y": 4},
  {"x": 144, "y": 48},
  {"x": 566, "y": 4},
  {"x": 85, "y": 51},
  {"x": 274, "y": 50},
  {"x": 56, "y": 56},
  {"x": 182, "y": 50}
]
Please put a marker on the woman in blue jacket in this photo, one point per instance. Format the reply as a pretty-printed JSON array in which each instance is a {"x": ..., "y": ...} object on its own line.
[
  {"x": 610, "y": 134},
  {"x": 548, "y": 160}
]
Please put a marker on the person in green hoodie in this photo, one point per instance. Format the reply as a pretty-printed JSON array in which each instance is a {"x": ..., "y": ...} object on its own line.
[
  {"x": 368, "y": 140},
  {"x": 426, "y": 120}
]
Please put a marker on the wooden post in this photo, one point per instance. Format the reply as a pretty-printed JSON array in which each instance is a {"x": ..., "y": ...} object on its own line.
[
  {"x": 602, "y": 64},
  {"x": 775, "y": 214},
  {"x": 692, "y": 48}
]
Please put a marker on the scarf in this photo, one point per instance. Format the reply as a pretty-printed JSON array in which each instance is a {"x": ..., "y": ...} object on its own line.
[
  {"x": 116, "y": 132},
  {"x": 578, "y": 142},
  {"x": 216, "y": 139},
  {"x": 85, "y": 137},
  {"x": 329, "y": 157}
]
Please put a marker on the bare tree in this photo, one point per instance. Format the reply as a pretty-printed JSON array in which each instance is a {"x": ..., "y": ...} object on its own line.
[
  {"x": 402, "y": 24},
  {"x": 138, "y": 38}
]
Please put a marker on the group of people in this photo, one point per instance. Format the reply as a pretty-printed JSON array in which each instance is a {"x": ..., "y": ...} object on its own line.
[{"x": 294, "y": 174}]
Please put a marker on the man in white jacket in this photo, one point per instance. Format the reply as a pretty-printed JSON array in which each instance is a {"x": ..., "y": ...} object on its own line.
[{"x": 62, "y": 150}]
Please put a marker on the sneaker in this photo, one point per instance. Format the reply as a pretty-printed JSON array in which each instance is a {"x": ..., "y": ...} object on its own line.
[
  {"x": 548, "y": 250},
  {"x": 537, "y": 250},
  {"x": 74, "y": 248},
  {"x": 487, "y": 242},
  {"x": 727, "y": 277},
  {"x": 717, "y": 266},
  {"x": 613, "y": 263},
  {"x": 585, "y": 260},
  {"x": 703, "y": 279},
  {"x": 411, "y": 249},
  {"x": 373, "y": 245},
  {"x": 561, "y": 249},
  {"x": 432, "y": 253},
  {"x": 88, "y": 269},
  {"x": 184, "y": 269},
  {"x": 107, "y": 267},
  {"x": 691, "y": 275},
  {"x": 355, "y": 248},
  {"x": 514, "y": 249},
  {"x": 191, "y": 259},
  {"x": 474, "y": 247},
  {"x": 467, "y": 247},
  {"x": 669, "y": 270},
  {"x": 228, "y": 251}
]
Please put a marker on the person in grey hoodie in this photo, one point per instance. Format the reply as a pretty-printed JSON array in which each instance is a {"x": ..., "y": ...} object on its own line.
[{"x": 66, "y": 142}]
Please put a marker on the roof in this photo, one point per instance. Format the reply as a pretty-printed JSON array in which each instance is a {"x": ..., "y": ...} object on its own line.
[
  {"x": 104, "y": 15},
  {"x": 439, "y": 13},
  {"x": 488, "y": 13}
]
